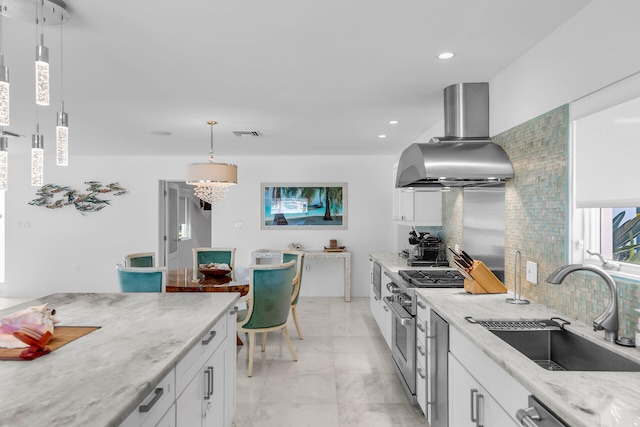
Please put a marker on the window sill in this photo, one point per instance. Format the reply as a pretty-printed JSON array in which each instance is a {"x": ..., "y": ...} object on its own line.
[{"x": 628, "y": 273}]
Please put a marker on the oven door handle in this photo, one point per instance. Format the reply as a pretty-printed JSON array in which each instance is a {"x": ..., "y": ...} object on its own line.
[{"x": 404, "y": 319}]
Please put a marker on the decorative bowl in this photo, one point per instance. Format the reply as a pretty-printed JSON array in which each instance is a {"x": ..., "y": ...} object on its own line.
[{"x": 214, "y": 272}]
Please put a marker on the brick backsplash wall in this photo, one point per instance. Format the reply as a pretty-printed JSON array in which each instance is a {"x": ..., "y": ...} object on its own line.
[{"x": 537, "y": 209}]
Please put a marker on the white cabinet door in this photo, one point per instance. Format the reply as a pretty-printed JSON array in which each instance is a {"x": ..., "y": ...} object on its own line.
[
  {"x": 470, "y": 405},
  {"x": 202, "y": 401},
  {"x": 428, "y": 208},
  {"x": 403, "y": 205}
]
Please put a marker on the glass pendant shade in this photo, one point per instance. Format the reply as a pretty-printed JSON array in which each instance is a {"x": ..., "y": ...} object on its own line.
[
  {"x": 42, "y": 74},
  {"x": 62, "y": 140},
  {"x": 211, "y": 180},
  {"x": 4, "y": 94},
  {"x": 37, "y": 160},
  {"x": 4, "y": 163}
]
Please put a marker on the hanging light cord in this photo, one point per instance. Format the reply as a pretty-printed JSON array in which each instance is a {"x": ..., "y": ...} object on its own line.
[
  {"x": 61, "y": 64},
  {"x": 211, "y": 154}
]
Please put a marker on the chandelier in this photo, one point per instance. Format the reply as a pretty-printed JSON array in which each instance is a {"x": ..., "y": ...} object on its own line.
[{"x": 211, "y": 180}]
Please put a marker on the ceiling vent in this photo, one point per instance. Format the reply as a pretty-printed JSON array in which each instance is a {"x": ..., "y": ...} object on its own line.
[{"x": 244, "y": 133}]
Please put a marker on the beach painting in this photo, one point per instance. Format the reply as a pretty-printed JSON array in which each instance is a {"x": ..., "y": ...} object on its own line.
[{"x": 297, "y": 206}]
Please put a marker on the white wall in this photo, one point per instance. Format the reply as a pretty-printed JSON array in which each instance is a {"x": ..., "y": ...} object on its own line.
[
  {"x": 595, "y": 48},
  {"x": 369, "y": 209},
  {"x": 60, "y": 250}
]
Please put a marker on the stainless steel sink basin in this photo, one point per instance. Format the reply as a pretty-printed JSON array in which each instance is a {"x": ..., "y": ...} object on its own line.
[{"x": 563, "y": 350}]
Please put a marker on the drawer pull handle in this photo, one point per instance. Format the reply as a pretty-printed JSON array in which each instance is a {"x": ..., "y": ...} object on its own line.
[
  {"x": 421, "y": 373},
  {"x": 146, "y": 408},
  {"x": 234, "y": 310},
  {"x": 421, "y": 305},
  {"x": 212, "y": 335},
  {"x": 422, "y": 328},
  {"x": 421, "y": 351},
  {"x": 209, "y": 392},
  {"x": 474, "y": 415}
]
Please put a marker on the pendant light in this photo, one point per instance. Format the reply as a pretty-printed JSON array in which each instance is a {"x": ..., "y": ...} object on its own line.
[
  {"x": 62, "y": 128},
  {"x": 211, "y": 180},
  {"x": 4, "y": 78},
  {"x": 42, "y": 64},
  {"x": 37, "y": 158}
]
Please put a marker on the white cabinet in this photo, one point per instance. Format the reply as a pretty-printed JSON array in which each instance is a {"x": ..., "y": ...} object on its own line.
[
  {"x": 416, "y": 207},
  {"x": 386, "y": 317},
  {"x": 481, "y": 393},
  {"x": 379, "y": 308},
  {"x": 471, "y": 404},
  {"x": 205, "y": 389}
]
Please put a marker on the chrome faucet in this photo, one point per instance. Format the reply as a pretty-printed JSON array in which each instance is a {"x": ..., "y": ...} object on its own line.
[{"x": 608, "y": 320}]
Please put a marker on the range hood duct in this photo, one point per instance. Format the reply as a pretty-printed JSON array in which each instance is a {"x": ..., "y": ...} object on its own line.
[{"x": 466, "y": 156}]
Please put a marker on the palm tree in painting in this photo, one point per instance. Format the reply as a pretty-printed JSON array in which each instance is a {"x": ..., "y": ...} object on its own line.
[
  {"x": 278, "y": 193},
  {"x": 332, "y": 201}
]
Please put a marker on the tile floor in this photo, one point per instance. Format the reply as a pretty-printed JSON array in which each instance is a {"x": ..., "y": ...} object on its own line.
[{"x": 343, "y": 377}]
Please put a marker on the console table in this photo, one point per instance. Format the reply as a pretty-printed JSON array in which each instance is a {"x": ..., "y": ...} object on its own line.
[{"x": 270, "y": 256}]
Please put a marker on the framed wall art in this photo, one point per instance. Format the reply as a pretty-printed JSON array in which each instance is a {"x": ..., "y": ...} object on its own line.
[{"x": 311, "y": 206}]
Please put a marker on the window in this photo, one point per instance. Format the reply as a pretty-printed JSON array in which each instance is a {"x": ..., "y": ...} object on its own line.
[
  {"x": 184, "y": 215},
  {"x": 604, "y": 150}
]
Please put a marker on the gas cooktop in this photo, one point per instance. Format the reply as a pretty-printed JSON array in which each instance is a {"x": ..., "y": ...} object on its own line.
[{"x": 433, "y": 278}]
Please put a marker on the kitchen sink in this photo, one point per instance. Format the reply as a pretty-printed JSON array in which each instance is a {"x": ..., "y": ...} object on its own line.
[{"x": 558, "y": 349}]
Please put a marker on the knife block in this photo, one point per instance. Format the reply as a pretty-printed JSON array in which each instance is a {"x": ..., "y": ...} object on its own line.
[{"x": 484, "y": 281}]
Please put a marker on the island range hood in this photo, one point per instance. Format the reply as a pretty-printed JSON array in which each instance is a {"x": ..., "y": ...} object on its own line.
[{"x": 466, "y": 156}]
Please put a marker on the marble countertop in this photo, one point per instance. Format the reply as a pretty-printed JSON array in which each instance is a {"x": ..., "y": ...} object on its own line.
[
  {"x": 100, "y": 378},
  {"x": 580, "y": 398}
]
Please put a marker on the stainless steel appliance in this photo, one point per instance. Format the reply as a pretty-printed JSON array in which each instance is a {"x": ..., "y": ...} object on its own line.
[
  {"x": 537, "y": 415},
  {"x": 402, "y": 303},
  {"x": 465, "y": 156},
  {"x": 427, "y": 250}
]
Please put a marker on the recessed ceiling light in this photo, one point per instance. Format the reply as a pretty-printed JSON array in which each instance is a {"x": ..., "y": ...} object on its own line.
[
  {"x": 393, "y": 122},
  {"x": 382, "y": 136},
  {"x": 160, "y": 133},
  {"x": 446, "y": 55}
]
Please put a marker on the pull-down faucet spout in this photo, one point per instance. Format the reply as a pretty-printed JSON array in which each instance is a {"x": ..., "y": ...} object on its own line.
[{"x": 608, "y": 320}]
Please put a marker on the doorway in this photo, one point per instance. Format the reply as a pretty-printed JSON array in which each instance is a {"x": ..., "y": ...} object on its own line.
[{"x": 184, "y": 224}]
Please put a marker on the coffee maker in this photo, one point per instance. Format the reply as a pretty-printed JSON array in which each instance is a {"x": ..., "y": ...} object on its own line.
[{"x": 426, "y": 250}]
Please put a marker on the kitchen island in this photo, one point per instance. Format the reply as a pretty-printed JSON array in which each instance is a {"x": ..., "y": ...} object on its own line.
[{"x": 101, "y": 378}]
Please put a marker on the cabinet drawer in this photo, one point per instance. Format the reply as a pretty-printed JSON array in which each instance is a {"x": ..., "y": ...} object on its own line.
[
  {"x": 155, "y": 405},
  {"x": 206, "y": 346}
]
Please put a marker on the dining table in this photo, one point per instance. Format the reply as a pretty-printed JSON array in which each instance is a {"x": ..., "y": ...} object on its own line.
[{"x": 184, "y": 280}]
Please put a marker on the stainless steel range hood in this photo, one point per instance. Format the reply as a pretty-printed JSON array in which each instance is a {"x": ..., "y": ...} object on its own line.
[{"x": 465, "y": 156}]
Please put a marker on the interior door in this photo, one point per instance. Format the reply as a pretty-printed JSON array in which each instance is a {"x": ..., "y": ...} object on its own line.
[{"x": 170, "y": 229}]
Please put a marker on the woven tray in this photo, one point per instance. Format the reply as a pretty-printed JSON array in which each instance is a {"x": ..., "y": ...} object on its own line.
[{"x": 61, "y": 335}]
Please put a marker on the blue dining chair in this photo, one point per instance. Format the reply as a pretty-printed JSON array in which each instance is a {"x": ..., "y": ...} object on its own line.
[
  {"x": 142, "y": 259},
  {"x": 142, "y": 279},
  {"x": 298, "y": 257},
  {"x": 213, "y": 255},
  {"x": 268, "y": 304}
]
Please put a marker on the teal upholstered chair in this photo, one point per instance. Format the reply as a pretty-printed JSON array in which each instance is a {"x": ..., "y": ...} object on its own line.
[
  {"x": 297, "y": 256},
  {"x": 142, "y": 279},
  {"x": 268, "y": 304},
  {"x": 142, "y": 259},
  {"x": 213, "y": 255}
]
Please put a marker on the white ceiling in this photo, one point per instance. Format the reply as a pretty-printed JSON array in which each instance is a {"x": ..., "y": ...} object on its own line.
[{"x": 313, "y": 77}]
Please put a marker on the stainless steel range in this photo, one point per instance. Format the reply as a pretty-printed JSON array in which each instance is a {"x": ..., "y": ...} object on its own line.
[{"x": 402, "y": 303}]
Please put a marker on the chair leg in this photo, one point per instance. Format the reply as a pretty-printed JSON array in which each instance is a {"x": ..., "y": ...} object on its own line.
[
  {"x": 295, "y": 320},
  {"x": 264, "y": 341},
  {"x": 252, "y": 345},
  {"x": 293, "y": 353}
]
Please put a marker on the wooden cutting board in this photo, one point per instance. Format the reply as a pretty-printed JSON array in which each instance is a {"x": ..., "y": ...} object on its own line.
[{"x": 61, "y": 335}]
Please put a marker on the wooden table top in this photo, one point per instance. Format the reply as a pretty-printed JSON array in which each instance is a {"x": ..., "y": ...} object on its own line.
[{"x": 182, "y": 281}]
